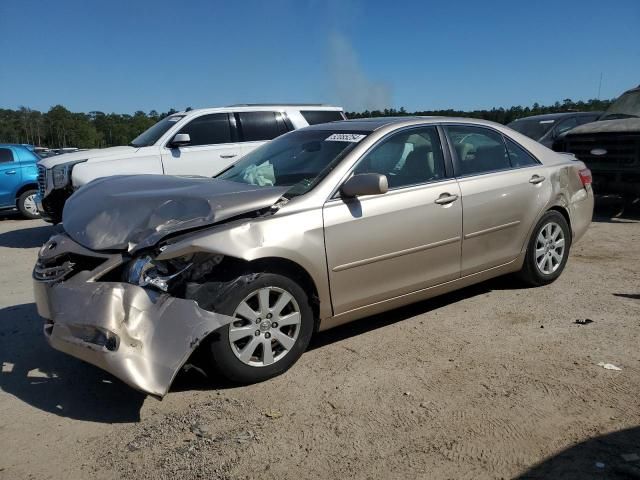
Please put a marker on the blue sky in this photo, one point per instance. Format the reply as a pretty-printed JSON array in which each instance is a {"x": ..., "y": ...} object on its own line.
[{"x": 128, "y": 55}]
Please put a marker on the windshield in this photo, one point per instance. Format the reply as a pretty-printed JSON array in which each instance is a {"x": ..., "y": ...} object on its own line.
[
  {"x": 152, "y": 134},
  {"x": 532, "y": 128},
  {"x": 627, "y": 106},
  {"x": 298, "y": 160}
]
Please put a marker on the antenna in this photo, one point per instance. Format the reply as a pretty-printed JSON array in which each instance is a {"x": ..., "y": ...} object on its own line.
[{"x": 600, "y": 86}]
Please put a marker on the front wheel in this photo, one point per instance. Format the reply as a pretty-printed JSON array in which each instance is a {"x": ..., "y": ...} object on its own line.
[
  {"x": 273, "y": 327},
  {"x": 547, "y": 251},
  {"x": 27, "y": 205}
]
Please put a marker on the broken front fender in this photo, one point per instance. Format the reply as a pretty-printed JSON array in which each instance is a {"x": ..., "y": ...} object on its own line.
[{"x": 139, "y": 336}]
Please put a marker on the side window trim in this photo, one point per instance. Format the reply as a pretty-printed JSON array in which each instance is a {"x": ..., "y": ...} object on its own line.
[
  {"x": 448, "y": 177},
  {"x": 456, "y": 160},
  {"x": 12, "y": 155},
  {"x": 232, "y": 131},
  {"x": 537, "y": 161},
  {"x": 277, "y": 115}
]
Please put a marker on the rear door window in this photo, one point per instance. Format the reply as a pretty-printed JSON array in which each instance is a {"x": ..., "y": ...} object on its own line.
[
  {"x": 478, "y": 150},
  {"x": 6, "y": 155},
  {"x": 210, "y": 129},
  {"x": 259, "y": 126},
  {"x": 313, "y": 117},
  {"x": 519, "y": 156}
]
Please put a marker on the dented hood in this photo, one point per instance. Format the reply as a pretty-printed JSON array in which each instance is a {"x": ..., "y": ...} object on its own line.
[
  {"x": 131, "y": 212},
  {"x": 621, "y": 125}
]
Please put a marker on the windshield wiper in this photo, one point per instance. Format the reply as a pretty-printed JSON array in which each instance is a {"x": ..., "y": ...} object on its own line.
[
  {"x": 223, "y": 171},
  {"x": 616, "y": 116}
]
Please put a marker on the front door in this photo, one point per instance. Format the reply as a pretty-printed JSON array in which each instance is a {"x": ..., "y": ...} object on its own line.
[
  {"x": 503, "y": 191},
  {"x": 382, "y": 246},
  {"x": 213, "y": 147},
  {"x": 10, "y": 177}
]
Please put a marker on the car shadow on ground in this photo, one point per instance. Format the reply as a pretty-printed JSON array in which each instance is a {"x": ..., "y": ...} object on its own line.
[
  {"x": 611, "y": 212},
  {"x": 27, "y": 237},
  {"x": 54, "y": 382},
  {"x": 612, "y": 456},
  {"x": 352, "y": 329},
  {"x": 57, "y": 383}
]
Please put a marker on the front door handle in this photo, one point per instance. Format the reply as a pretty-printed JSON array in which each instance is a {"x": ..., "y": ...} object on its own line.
[
  {"x": 446, "y": 198},
  {"x": 536, "y": 179},
  {"x": 10, "y": 172},
  {"x": 228, "y": 156}
]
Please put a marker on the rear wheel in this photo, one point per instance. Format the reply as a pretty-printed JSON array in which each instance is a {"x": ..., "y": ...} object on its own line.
[
  {"x": 548, "y": 250},
  {"x": 272, "y": 328},
  {"x": 27, "y": 204}
]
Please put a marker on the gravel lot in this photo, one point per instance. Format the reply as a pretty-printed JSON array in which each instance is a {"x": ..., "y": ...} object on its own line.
[{"x": 494, "y": 381}]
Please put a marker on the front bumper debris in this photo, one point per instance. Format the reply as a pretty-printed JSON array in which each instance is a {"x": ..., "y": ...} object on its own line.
[{"x": 137, "y": 334}]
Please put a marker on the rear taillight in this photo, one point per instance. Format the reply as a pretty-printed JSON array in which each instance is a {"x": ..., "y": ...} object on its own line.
[{"x": 585, "y": 177}]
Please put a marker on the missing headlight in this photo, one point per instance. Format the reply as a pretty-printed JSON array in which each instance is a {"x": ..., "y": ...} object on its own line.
[{"x": 145, "y": 271}]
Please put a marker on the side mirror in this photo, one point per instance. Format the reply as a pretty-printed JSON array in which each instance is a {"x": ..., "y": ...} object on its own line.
[
  {"x": 365, "y": 184},
  {"x": 180, "y": 139}
]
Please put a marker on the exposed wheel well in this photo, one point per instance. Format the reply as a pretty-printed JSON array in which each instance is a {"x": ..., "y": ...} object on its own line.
[
  {"x": 294, "y": 271},
  {"x": 563, "y": 211},
  {"x": 232, "y": 268}
]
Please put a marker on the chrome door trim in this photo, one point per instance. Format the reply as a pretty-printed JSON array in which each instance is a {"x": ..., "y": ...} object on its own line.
[
  {"x": 491, "y": 230},
  {"x": 399, "y": 253}
]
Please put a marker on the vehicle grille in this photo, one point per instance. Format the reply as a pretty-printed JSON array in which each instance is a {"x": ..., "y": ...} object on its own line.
[
  {"x": 42, "y": 181},
  {"x": 62, "y": 267},
  {"x": 623, "y": 151}
]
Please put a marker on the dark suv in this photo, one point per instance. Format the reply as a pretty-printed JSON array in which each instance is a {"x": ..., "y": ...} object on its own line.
[{"x": 611, "y": 147}]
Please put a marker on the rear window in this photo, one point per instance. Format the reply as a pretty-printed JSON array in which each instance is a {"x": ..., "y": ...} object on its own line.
[
  {"x": 256, "y": 126},
  {"x": 532, "y": 128},
  {"x": 313, "y": 117}
]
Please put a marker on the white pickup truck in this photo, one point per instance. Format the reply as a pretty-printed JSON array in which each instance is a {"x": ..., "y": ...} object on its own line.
[{"x": 196, "y": 142}]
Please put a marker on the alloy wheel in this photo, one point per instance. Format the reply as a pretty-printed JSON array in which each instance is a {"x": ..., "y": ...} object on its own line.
[
  {"x": 30, "y": 204},
  {"x": 267, "y": 326},
  {"x": 550, "y": 248}
]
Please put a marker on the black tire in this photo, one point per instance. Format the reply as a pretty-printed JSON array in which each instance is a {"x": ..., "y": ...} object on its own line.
[
  {"x": 225, "y": 297},
  {"x": 21, "y": 205},
  {"x": 531, "y": 273}
]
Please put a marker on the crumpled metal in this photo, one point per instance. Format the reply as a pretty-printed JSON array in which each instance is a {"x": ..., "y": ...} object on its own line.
[
  {"x": 132, "y": 212},
  {"x": 156, "y": 333}
]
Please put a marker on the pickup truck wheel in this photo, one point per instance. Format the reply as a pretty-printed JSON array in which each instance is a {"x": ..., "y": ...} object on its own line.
[
  {"x": 27, "y": 204},
  {"x": 547, "y": 251},
  {"x": 273, "y": 327}
]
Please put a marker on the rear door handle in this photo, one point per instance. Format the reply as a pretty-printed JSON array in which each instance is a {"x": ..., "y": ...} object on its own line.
[
  {"x": 10, "y": 172},
  {"x": 228, "y": 156},
  {"x": 446, "y": 198},
  {"x": 536, "y": 179}
]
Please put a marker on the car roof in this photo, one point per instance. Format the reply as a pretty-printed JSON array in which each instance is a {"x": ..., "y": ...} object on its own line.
[
  {"x": 372, "y": 124},
  {"x": 258, "y": 107},
  {"x": 555, "y": 116},
  {"x": 16, "y": 145}
]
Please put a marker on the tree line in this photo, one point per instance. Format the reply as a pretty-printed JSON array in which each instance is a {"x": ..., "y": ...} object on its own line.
[{"x": 59, "y": 127}]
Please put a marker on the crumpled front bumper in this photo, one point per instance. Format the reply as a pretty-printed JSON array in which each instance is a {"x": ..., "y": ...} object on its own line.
[{"x": 138, "y": 335}]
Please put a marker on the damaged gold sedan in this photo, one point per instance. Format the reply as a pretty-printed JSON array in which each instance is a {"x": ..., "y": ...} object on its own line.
[{"x": 321, "y": 226}]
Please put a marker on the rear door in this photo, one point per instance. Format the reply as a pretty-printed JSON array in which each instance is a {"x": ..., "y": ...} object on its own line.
[
  {"x": 256, "y": 128},
  {"x": 213, "y": 147},
  {"x": 503, "y": 190},
  {"x": 10, "y": 177}
]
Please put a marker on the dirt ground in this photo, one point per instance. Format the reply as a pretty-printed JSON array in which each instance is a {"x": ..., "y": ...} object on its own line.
[{"x": 494, "y": 381}]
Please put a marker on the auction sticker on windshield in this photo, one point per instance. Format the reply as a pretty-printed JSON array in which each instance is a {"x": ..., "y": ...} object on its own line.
[{"x": 345, "y": 137}]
